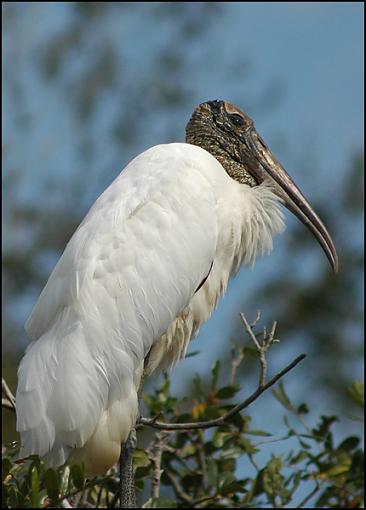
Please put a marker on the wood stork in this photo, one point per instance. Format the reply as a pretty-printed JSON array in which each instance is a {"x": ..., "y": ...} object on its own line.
[{"x": 141, "y": 274}]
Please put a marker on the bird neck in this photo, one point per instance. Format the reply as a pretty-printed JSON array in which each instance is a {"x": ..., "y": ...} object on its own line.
[{"x": 199, "y": 135}]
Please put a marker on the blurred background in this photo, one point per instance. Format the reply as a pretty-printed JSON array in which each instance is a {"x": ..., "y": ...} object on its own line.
[{"x": 87, "y": 86}]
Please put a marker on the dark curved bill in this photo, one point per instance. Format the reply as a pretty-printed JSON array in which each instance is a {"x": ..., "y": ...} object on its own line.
[{"x": 293, "y": 199}]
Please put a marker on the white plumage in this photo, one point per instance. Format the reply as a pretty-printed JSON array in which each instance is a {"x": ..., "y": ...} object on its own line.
[
  {"x": 140, "y": 275},
  {"x": 126, "y": 283}
]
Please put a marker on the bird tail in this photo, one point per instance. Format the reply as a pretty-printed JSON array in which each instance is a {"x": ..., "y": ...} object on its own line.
[{"x": 65, "y": 403}]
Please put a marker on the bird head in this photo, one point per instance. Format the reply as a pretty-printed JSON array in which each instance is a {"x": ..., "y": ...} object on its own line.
[{"x": 230, "y": 136}]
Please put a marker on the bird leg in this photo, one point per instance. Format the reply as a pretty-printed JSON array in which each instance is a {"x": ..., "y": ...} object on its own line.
[
  {"x": 126, "y": 475},
  {"x": 127, "y": 478}
]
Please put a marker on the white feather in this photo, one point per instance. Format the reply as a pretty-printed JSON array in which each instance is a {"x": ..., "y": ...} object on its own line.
[{"x": 124, "y": 287}]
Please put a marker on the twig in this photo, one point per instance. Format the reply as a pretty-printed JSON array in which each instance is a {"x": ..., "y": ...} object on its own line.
[
  {"x": 235, "y": 362},
  {"x": 99, "y": 496},
  {"x": 203, "y": 499},
  {"x": 254, "y": 323},
  {"x": 309, "y": 496},
  {"x": 7, "y": 404},
  {"x": 253, "y": 462},
  {"x": 202, "y": 457},
  {"x": 222, "y": 419},
  {"x": 177, "y": 487},
  {"x": 153, "y": 420},
  {"x": 263, "y": 347},
  {"x": 8, "y": 394}
]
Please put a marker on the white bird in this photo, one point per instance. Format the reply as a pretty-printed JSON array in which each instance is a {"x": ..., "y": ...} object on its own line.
[{"x": 141, "y": 274}]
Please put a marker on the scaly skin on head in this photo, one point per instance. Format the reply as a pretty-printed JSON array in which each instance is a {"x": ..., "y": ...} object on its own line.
[{"x": 215, "y": 126}]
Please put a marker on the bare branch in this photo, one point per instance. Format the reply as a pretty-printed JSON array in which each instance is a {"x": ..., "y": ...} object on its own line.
[
  {"x": 202, "y": 457},
  {"x": 7, "y": 392},
  {"x": 311, "y": 494},
  {"x": 204, "y": 499},
  {"x": 263, "y": 347},
  {"x": 177, "y": 487},
  {"x": 249, "y": 329},
  {"x": 235, "y": 362},
  {"x": 222, "y": 419},
  {"x": 254, "y": 323},
  {"x": 7, "y": 404},
  {"x": 157, "y": 452}
]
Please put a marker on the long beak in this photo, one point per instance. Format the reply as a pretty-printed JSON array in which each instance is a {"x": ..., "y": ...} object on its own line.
[{"x": 293, "y": 199}]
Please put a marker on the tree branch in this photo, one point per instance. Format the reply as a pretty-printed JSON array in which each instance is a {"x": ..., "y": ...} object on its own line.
[
  {"x": 151, "y": 422},
  {"x": 235, "y": 363},
  {"x": 310, "y": 495},
  {"x": 9, "y": 401},
  {"x": 177, "y": 487},
  {"x": 6, "y": 404},
  {"x": 156, "y": 455},
  {"x": 263, "y": 347}
]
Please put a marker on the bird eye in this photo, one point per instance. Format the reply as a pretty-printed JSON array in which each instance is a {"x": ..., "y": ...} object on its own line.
[{"x": 237, "y": 119}]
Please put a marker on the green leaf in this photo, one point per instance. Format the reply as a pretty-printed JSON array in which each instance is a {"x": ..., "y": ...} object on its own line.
[
  {"x": 239, "y": 421},
  {"x": 273, "y": 480},
  {"x": 302, "y": 455},
  {"x": 191, "y": 354},
  {"x": 220, "y": 438},
  {"x": 77, "y": 475},
  {"x": 302, "y": 409},
  {"x": 232, "y": 488},
  {"x": 212, "y": 473},
  {"x": 197, "y": 384},
  {"x": 34, "y": 483},
  {"x": 280, "y": 394},
  {"x": 258, "y": 433},
  {"x": 356, "y": 392},
  {"x": 140, "y": 458},
  {"x": 247, "y": 445},
  {"x": 225, "y": 479},
  {"x": 162, "y": 502},
  {"x": 304, "y": 445},
  {"x": 52, "y": 482},
  {"x": 139, "y": 483},
  {"x": 233, "y": 452},
  {"x": 6, "y": 467},
  {"x": 142, "y": 472},
  {"x": 227, "y": 391},
  {"x": 323, "y": 429},
  {"x": 342, "y": 467},
  {"x": 188, "y": 450},
  {"x": 349, "y": 444},
  {"x": 215, "y": 374}
]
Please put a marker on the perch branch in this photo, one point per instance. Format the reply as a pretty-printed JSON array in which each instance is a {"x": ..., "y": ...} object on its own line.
[{"x": 222, "y": 419}]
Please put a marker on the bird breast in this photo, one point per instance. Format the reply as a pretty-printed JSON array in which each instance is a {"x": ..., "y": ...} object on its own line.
[{"x": 248, "y": 219}]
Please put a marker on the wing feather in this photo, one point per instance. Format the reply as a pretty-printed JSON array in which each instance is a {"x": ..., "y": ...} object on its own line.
[{"x": 131, "y": 267}]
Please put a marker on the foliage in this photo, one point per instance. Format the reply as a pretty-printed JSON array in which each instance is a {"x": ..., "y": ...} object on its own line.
[{"x": 200, "y": 468}]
